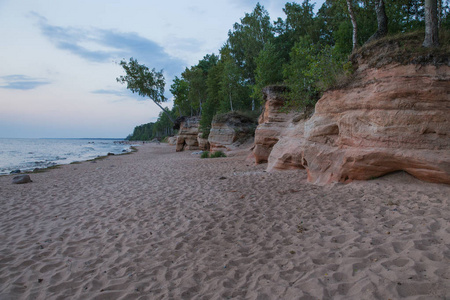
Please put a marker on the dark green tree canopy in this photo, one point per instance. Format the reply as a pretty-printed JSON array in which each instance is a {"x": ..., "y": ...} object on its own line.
[{"x": 248, "y": 38}]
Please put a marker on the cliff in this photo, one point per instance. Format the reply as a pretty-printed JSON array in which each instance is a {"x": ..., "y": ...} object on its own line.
[
  {"x": 275, "y": 124},
  {"x": 188, "y": 132},
  {"x": 230, "y": 129},
  {"x": 227, "y": 132},
  {"x": 394, "y": 115}
]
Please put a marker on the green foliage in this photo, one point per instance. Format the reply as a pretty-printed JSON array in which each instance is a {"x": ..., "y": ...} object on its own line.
[
  {"x": 145, "y": 82},
  {"x": 193, "y": 86},
  {"x": 269, "y": 69},
  {"x": 142, "y": 132},
  {"x": 180, "y": 91},
  {"x": 218, "y": 154},
  {"x": 212, "y": 103},
  {"x": 248, "y": 38},
  {"x": 163, "y": 126},
  {"x": 206, "y": 154},
  {"x": 311, "y": 71},
  {"x": 160, "y": 129},
  {"x": 233, "y": 90}
]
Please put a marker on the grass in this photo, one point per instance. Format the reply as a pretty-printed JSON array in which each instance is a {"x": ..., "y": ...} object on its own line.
[{"x": 216, "y": 154}]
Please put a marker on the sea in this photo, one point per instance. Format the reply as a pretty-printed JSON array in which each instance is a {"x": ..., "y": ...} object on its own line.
[{"x": 30, "y": 154}]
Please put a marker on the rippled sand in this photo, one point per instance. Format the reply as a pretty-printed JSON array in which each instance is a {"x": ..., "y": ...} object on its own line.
[{"x": 163, "y": 225}]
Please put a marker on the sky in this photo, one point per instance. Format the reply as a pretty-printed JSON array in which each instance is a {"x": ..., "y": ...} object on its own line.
[{"x": 59, "y": 59}]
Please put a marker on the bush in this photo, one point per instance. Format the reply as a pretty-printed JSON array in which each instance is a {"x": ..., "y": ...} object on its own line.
[
  {"x": 206, "y": 154},
  {"x": 218, "y": 154}
]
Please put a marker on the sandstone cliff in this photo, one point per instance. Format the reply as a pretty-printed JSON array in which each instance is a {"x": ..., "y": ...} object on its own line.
[
  {"x": 188, "y": 133},
  {"x": 230, "y": 129},
  {"x": 391, "y": 117},
  {"x": 273, "y": 124}
]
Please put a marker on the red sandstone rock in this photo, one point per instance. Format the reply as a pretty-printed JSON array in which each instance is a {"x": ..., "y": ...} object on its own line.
[
  {"x": 272, "y": 122},
  {"x": 392, "y": 118}
]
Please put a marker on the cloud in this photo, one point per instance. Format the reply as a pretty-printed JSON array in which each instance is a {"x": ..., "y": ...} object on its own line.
[
  {"x": 110, "y": 92},
  {"x": 120, "y": 93},
  {"x": 103, "y": 45},
  {"x": 22, "y": 82}
]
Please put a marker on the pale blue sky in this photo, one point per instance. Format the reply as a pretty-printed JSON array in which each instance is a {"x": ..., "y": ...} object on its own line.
[{"x": 59, "y": 59}]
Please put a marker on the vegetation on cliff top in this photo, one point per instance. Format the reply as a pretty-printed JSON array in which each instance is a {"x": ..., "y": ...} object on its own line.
[
  {"x": 404, "y": 48},
  {"x": 306, "y": 52}
]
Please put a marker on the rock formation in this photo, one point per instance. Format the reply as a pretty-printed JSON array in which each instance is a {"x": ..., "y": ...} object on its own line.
[
  {"x": 172, "y": 140},
  {"x": 229, "y": 129},
  {"x": 272, "y": 123},
  {"x": 188, "y": 133},
  {"x": 391, "y": 117},
  {"x": 203, "y": 143}
]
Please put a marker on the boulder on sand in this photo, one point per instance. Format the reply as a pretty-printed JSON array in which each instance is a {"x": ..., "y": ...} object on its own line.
[{"x": 21, "y": 179}]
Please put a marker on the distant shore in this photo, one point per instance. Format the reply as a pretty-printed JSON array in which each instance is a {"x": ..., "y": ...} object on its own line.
[{"x": 159, "y": 224}]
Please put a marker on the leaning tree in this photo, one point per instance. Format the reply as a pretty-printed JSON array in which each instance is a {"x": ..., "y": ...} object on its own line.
[{"x": 145, "y": 82}]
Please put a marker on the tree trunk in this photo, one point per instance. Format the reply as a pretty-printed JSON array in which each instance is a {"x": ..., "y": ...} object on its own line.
[
  {"x": 439, "y": 8},
  {"x": 382, "y": 21},
  {"x": 231, "y": 102},
  {"x": 166, "y": 112},
  {"x": 355, "y": 26},
  {"x": 431, "y": 24}
]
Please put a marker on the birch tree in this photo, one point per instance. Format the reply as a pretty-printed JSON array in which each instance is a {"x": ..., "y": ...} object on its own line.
[
  {"x": 382, "y": 21},
  {"x": 431, "y": 24},
  {"x": 145, "y": 82},
  {"x": 355, "y": 26}
]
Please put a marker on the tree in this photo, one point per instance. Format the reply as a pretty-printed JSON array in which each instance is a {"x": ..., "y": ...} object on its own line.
[
  {"x": 163, "y": 126},
  {"x": 196, "y": 77},
  {"x": 180, "y": 91},
  {"x": 212, "y": 103},
  {"x": 355, "y": 26},
  {"x": 248, "y": 38},
  {"x": 146, "y": 83},
  {"x": 382, "y": 21},
  {"x": 431, "y": 24},
  {"x": 269, "y": 69}
]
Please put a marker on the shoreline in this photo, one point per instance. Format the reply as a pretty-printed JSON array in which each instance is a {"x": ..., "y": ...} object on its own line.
[
  {"x": 159, "y": 224},
  {"x": 132, "y": 149}
]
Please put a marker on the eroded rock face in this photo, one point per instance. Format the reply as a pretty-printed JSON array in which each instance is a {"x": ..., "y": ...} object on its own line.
[
  {"x": 172, "y": 140},
  {"x": 188, "y": 133},
  {"x": 203, "y": 143},
  {"x": 392, "y": 118},
  {"x": 230, "y": 129},
  {"x": 272, "y": 123}
]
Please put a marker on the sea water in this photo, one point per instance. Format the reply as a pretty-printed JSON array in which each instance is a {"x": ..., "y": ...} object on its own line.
[{"x": 29, "y": 154}]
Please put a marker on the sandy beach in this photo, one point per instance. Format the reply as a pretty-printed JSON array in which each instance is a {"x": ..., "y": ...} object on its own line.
[{"x": 163, "y": 225}]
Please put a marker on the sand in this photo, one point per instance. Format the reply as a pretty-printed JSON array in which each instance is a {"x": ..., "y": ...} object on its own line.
[{"x": 163, "y": 225}]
